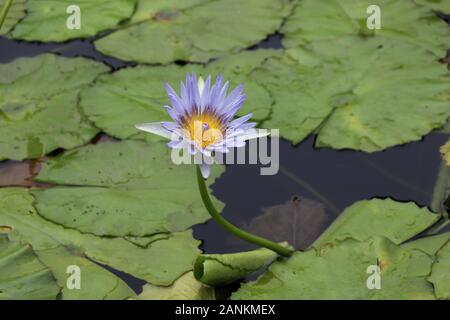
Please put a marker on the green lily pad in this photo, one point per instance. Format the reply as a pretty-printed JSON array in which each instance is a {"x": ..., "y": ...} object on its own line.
[
  {"x": 196, "y": 33},
  {"x": 22, "y": 275},
  {"x": 360, "y": 94},
  {"x": 398, "y": 221},
  {"x": 160, "y": 263},
  {"x": 221, "y": 269},
  {"x": 46, "y": 20},
  {"x": 440, "y": 276},
  {"x": 445, "y": 151},
  {"x": 401, "y": 20},
  {"x": 340, "y": 272},
  {"x": 429, "y": 245},
  {"x": 120, "y": 100},
  {"x": 437, "y": 5},
  {"x": 184, "y": 288},
  {"x": 38, "y": 105},
  {"x": 130, "y": 188},
  {"x": 15, "y": 13}
]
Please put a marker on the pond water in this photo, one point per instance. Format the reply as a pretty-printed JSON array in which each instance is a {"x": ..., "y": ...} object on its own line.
[{"x": 332, "y": 179}]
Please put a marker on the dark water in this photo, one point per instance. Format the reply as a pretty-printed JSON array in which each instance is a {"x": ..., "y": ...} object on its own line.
[{"x": 333, "y": 178}]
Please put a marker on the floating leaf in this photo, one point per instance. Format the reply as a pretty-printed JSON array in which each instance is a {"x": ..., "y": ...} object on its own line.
[
  {"x": 153, "y": 263},
  {"x": 397, "y": 221},
  {"x": 340, "y": 272},
  {"x": 47, "y": 20},
  {"x": 205, "y": 30},
  {"x": 222, "y": 269},
  {"x": 22, "y": 275},
  {"x": 445, "y": 151},
  {"x": 360, "y": 94},
  {"x": 184, "y": 288},
  {"x": 429, "y": 245},
  {"x": 437, "y": 5},
  {"x": 401, "y": 21},
  {"x": 130, "y": 188},
  {"x": 440, "y": 276},
  {"x": 38, "y": 105},
  {"x": 15, "y": 13},
  {"x": 298, "y": 221},
  {"x": 136, "y": 95}
]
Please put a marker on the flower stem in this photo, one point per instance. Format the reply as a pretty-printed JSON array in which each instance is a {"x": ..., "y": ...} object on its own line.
[
  {"x": 4, "y": 11},
  {"x": 283, "y": 251}
]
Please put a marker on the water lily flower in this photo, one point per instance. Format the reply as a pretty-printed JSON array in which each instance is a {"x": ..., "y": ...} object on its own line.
[{"x": 203, "y": 119}]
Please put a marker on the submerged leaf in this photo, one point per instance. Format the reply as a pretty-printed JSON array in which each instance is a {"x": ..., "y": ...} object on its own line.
[
  {"x": 184, "y": 288},
  {"x": 38, "y": 105},
  {"x": 152, "y": 263},
  {"x": 46, "y": 20},
  {"x": 22, "y": 275},
  {"x": 396, "y": 221},
  {"x": 195, "y": 30},
  {"x": 222, "y": 269},
  {"x": 128, "y": 188},
  {"x": 15, "y": 14},
  {"x": 340, "y": 272}
]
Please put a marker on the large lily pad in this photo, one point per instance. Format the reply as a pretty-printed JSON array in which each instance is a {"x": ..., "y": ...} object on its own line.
[
  {"x": 401, "y": 20},
  {"x": 197, "y": 33},
  {"x": 440, "y": 275},
  {"x": 340, "y": 272},
  {"x": 38, "y": 105},
  {"x": 438, "y": 5},
  {"x": 134, "y": 95},
  {"x": 160, "y": 263},
  {"x": 130, "y": 188},
  {"x": 22, "y": 275},
  {"x": 397, "y": 221},
  {"x": 365, "y": 95},
  {"x": 15, "y": 13},
  {"x": 429, "y": 245},
  {"x": 46, "y": 19}
]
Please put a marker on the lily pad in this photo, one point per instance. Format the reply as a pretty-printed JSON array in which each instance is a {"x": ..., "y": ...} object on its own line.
[
  {"x": 134, "y": 95},
  {"x": 397, "y": 221},
  {"x": 445, "y": 151},
  {"x": 46, "y": 20},
  {"x": 340, "y": 272},
  {"x": 360, "y": 94},
  {"x": 130, "y": 188},
  {"x": 429, "y": 245},
  {"x": 440, "y": 276},
  {"x": 15, "y": 13},
  {"x": 184, "y": 288},
  {"x": 222, "y": 269},
  {"x": 401, "y": 20},
  {"x": 437, "y": 5},
  {"x": 38, "y": 105},
  {"x": 161, "y": 263},
  {"x": 22, "y": 275},
  {"x": 198, "y": 33}
]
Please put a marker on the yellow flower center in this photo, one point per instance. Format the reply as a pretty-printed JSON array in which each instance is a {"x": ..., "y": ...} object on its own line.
[{"x": 204, "y": 129}]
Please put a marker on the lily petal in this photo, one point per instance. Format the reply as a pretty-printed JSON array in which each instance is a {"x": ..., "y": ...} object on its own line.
[
  {"x": 155, "y": 128},
  {"x": 205, "y": 169}
]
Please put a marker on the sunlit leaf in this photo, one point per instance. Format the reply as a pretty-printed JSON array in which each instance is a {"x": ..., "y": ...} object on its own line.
[
  {"x": 429, "y": 245},
  {"x": 445, "y": 151},
  {"x": 22, "y": 275},
  {"x": 438, "y": 5},
  {"x": 130, "y": 188},
  {"x": 340, "y": 272},
  {"x": 397, "y": 221},
  {"x": 38, "y": 105},
  {"x": 440, "y": 275},
  {"x": 160, "y": 263},
  {"x": 46, "y": 20},
  {"x": 199, "y": 32}
]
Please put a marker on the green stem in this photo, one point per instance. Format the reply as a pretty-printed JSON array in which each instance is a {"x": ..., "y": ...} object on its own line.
[
  {"x": 283, "y": 251},
  {"x": 4, "y": 11}
]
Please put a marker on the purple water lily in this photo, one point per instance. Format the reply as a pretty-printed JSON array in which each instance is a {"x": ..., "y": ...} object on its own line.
[{"x": 203, "y": 119}]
